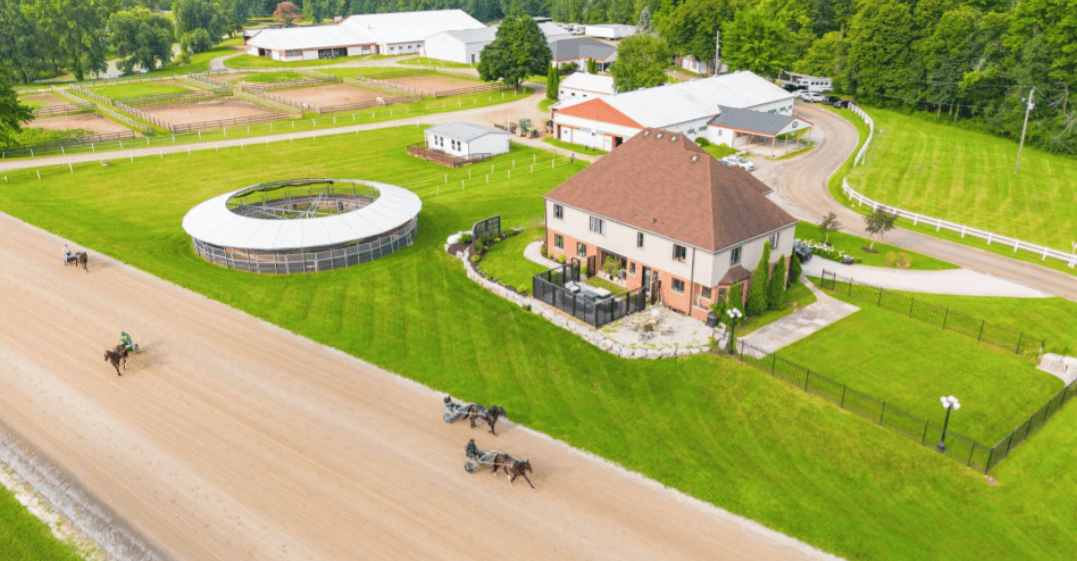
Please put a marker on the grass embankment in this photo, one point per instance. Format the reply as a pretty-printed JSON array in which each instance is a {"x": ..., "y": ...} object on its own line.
[
  {"x": 24, "y": 537},
  {"x": 573, "y": 147},
  {"x": 427, "y": 61},
  {"x": 909, "y": 363},
  {"x": 854, "y": 246},
  {"x": 32, "y": 136},
  {"x": 139, "y": 89},
  {"x": 925, "y": 183},
  {"x": 505, "y": 261},
  {"x": 719, "y": 151},
  {"x": 715, "y": 429}
]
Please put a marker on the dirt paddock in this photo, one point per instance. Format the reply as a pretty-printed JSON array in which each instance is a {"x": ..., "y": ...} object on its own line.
[
  {"x": 335, "y": 94},
  {"x": 86, "y": 121},
  {"x": 435, "y": 83},
  {"x": 229, "y": 438},
  {"x": 216, "y": 109},
  {"x": 47, "y": 98}
]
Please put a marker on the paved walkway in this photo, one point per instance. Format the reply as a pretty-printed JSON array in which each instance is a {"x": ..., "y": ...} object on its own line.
[
  {"x": 796, "y": 326},
  {"x": 533, "y": 252},
  {"x": 964, "y": 282}
]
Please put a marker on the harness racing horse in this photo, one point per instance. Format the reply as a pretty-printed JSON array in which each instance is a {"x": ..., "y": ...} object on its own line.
[
  {"x": 513, "y": 468},
  {"x": 490, "y": 415},
  {"x": 80, "y": 259},
  {"x": 117, "y": 355}
]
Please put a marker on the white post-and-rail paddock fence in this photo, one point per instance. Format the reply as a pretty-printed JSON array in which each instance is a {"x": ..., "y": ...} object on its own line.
[{"x": 1044, "y": 252}]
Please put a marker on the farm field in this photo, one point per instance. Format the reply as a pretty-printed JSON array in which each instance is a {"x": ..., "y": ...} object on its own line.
[
  {"x": 909, "y": 364},
  {"x": 736, "y": 437},
  {"x": 968, "y": 177},
  {"x": 140, "y": 89}
]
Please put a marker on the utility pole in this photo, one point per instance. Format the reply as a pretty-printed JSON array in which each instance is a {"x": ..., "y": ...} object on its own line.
[
  {"x": 1028, "y": 109},
  {"x": 717, "y": 51}
]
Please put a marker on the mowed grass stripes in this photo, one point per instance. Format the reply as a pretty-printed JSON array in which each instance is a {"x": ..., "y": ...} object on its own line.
[
  {"x": 715, "y": 429},
  {"x": 968, "y": 177}
]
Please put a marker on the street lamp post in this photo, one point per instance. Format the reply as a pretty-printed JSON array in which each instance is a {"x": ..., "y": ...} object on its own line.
[
  {"x": 734, "y": 314},
  {"x": 949, "y": 403}
]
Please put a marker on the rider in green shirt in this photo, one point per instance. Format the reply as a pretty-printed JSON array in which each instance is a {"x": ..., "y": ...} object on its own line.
[{"x": 125, "y": 339}]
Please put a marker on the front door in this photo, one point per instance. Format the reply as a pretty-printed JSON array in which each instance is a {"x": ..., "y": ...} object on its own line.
[{"x": 646, "y": 281}]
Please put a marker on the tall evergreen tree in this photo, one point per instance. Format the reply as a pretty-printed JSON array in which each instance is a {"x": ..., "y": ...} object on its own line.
[
  {"x": 553, "y": 79},
  {"x": 757, "y": 295},
  {"x": 776, "y": 289}
]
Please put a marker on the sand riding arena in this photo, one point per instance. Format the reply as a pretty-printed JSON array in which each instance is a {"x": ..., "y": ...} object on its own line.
[{"x": 304, "y": 225}]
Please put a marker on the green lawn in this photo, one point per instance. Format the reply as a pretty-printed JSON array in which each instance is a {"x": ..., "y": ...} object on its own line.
[
  {"x": 853, "y": 245},
  {"x": 968, "y": 177},
  {"x": 719, "y": 151},
  {"x": 139, "y": 89},
  {"x": 614, "y": 288},
  {"x": 909, "y": 364},
  {"x": 506, "y": 262},
  {"x": 545, "y": 104},
  {"x": 573, "y": 147},
  {"x": 427, "y": 61},
  {"x": 251, "y": 61},
  {"x": 31, "y": 103},
  {"x": 270, "y": 77},
  {"x": 708, "y": 426},
  {"x": 29, "y": 136},
  {"x": 798, "y": 293},
  {"x": 24, "y": 537}
]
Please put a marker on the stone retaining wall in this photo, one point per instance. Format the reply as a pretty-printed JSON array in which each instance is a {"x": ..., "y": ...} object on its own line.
[{"x": 558, "y": 318}]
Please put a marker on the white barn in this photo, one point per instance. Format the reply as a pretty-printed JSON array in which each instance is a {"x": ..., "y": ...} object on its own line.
[
  {"x": 581, "y": 85},
  {"x": 686, "y": 108},
  {"x": 466, "y": 45},
  {"x": 388, "y": 34},
  {"x": 610, "y": 30},
  {"x": 467, "y": 139}
]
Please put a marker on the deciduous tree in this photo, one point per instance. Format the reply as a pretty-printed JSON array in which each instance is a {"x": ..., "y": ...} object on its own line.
[
  {"x": 287, "y": 13},
  {"x": 641, "y": 62},
  {"x": 75, "y": 31},
  {"x": 519, "y": 50},
  {"x": 141, "y": 38},
  {"x": 755, "y": 41},
  {"x": 12, "y": 113},
  {"x": 878, "y": 223},
  {"x": 829, "y": 224},
  {"x": 21, "y": 45},
  {"x": 192, "y": 15}
]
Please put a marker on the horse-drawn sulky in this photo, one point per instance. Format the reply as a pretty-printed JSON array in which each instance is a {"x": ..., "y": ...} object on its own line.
[
  {"x": 512, "y": 467},
  {"x": 76, "y": 257},
  {"x": 473, "y": 411}
]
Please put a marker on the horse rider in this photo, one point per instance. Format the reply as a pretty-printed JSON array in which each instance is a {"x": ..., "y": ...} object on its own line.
[
  {"x": 125, "y": 339},
  {"x": 66, "y": 251},
  {"x": 472, "y": 451},
  {"x": 452, "y": 406}
]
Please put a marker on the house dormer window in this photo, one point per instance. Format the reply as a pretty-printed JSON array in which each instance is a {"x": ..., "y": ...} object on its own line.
[{"x": 680, "y": 253}]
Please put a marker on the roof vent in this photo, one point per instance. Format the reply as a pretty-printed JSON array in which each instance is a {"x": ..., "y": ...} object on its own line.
[
  {"x": 673, "y": 138},
  {"x": 658, "y": 136},
  {"x": 695, "y": 159},
  {"x": 646, "y": 133}
]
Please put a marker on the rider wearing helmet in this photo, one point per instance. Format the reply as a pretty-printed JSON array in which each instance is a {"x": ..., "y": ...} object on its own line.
[
  {"x": 471, "y": 450},
  {"x": 125, "y": 339}
]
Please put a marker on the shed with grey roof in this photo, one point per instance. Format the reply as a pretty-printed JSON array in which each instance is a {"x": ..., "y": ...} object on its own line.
[
  {"x": 467, "y": 140},
  {"x": 737, "y": 128}
]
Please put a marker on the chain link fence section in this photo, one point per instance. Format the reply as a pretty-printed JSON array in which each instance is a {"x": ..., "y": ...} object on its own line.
[{"x": 1017, "y": 342}]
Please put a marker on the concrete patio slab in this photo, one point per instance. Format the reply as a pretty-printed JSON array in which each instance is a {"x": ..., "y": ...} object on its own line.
[{"x": 796, "y": 326}]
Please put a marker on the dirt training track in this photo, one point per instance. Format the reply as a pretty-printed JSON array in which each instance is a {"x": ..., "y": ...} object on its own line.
[{"x": 228, "y": 438}]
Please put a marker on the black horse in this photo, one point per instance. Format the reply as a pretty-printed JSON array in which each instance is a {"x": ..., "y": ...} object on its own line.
[
  {"x": 513, "y": 468},
  {"x": 490, "y": 415},
  {"x": 117, "y": 355}
]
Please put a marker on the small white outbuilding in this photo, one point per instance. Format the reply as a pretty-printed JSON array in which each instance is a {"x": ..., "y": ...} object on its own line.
[{"x": 466, "y": 139}]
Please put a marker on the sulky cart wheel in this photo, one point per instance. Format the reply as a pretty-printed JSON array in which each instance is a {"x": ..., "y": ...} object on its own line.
[
  {"x": 447, "y": 417},
  {"x": 469, "y": 466}
]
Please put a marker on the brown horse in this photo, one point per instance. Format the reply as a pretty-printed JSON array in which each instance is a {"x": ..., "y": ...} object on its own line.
[
  {"x": 513, "y": 468},
  {"x": 490, "y": 415},
  {"x": 80, "y": 259},
  {"x": 115, "y": 356}
]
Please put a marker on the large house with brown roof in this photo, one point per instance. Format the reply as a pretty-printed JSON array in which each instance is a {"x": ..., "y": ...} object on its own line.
[{"x": 668, "y": 213}]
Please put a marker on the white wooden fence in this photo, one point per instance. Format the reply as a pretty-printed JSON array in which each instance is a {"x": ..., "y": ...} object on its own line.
[
  {"x": 871, "y": 133},
  {"x": 1044, "y": 252}
]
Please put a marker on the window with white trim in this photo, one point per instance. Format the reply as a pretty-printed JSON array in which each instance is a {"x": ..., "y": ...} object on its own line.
[
  {"x": 558, "y": 241},
  {"x": 581, "y": 249},
  {"x": 734, "y": 256},
  {"x": 678, "y": 286},
  {"x": 596, "y": 225},
  {"x": 558, "y": 211}
]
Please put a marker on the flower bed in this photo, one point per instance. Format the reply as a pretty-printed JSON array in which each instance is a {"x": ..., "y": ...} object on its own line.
[{"x": 828, "y": 252}]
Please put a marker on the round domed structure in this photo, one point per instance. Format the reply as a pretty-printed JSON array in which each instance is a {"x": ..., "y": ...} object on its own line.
[{"x": 304, "y": 225}]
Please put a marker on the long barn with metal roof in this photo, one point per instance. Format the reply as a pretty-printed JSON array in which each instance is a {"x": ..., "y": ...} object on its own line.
[{"x": 304, "y": 225}]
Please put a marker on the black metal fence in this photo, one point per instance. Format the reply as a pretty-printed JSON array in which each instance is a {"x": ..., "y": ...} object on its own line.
[
  {"x": 1031, "y": 426},
  {"x": 491, "y": 225},
  {"x": 927, "y": 433},
  {"x": 1020, "y": 343},
  {"x": 549, "y": 287}
]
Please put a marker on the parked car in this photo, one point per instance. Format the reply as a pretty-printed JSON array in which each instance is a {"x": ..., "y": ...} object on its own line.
[
  {"x": 814, "y": 97},
  {"x": 800, "y": 94},
  {"x": 740, "y": 161},
  {"x": 802, "y": 251},
  {"x": 836, "y": 102}
]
